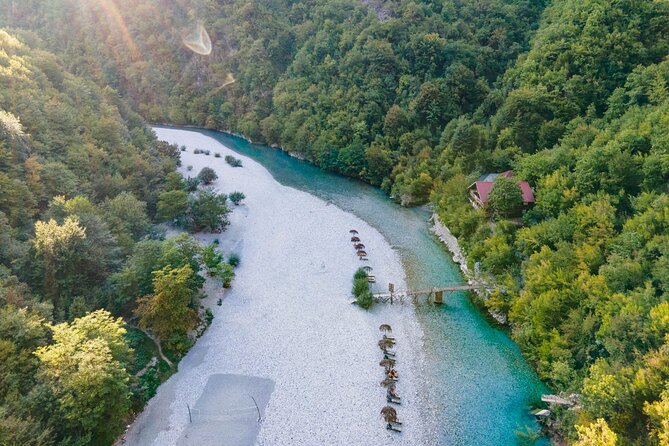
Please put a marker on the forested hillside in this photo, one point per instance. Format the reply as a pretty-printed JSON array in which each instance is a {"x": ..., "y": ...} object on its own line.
[
  {"x": 421, "y": 98},
  {"x": 82, "y": 181}
]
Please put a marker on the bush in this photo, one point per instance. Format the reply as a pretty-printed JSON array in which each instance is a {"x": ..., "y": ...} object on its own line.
[
  {"x": 217, "y": 155},
  {"x": 361, "y": 291},
  {"x": 234, "y": 260},
  {"x": 234, "y": 162},
  {"x": 189, "y": 168},
  {"x": 237, "y": 197},
  {"x": 365, "y": 300},
  {"x": 360, "y": 273},
  {"x": 183, "y": 148},
  {"x": 197, "y": 151},
  {"x": 191, "y": 184},
  {"x": 207, "y": 175},
  {"x": 207, "y": 152}
]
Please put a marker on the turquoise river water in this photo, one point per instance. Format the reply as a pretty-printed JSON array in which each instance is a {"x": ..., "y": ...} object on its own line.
[{"x": 480, "y": 386}]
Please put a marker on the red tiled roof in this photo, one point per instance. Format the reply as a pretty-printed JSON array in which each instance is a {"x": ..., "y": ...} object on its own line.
[{"x": 483, "y": 189}]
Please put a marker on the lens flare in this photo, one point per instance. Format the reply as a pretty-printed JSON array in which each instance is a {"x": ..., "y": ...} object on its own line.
[
  {"x": 114, "y": 17},
  {"x": 197, "y": 40}
]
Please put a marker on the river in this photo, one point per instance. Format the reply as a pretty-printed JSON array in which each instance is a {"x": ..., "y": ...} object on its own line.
[{"x": 480, "y": 385}]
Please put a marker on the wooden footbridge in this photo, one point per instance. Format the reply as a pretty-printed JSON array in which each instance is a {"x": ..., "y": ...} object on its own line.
[{"x": 430, "y": 295}]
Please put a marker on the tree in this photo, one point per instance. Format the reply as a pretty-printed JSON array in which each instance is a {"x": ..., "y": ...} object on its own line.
[
  {"x": 172, "y": 205},
  {"x": 168, "y": 312},
  {"x": 85, "y": 369},
  {"x": 658, "y": 412},
  {"x": 596, "y": 434},
  {"x": 207, "y": 176},
  {"x": 505, "y": 196},
  {"x": 57, "y": 244},
  {"x": 209, "y": 211}
]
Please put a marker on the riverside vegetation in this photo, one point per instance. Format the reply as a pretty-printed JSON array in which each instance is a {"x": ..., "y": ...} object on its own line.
[
  {"x": 420, "y": 98},
  {"x": 83, "y": 184}
]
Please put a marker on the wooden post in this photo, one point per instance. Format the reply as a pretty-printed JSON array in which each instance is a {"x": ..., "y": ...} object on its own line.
[{"x": 439, "y": 297}]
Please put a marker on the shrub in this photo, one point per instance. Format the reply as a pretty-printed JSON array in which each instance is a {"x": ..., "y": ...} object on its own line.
[
  {"x": 191, "y": 184},
  {"x": 207, "y": 152},
  {"x": 237, "y": 197},
  {"x": 234, "y": 260},
  {"x": 361, "y": 291},
  {"x": 183, "y": 148},
  {"x": 207, "y": 175},
  {"x": 217, "y": 155},
  {"x": 234, "y": 162},
  {"x": 189, "y": 167},
  {"x": 197, "y": 151}
]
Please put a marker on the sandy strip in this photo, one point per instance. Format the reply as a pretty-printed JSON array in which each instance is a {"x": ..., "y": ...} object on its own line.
[{"x": 288, "y": 319}]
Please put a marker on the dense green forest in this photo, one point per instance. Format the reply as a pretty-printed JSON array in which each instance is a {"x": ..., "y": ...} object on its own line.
[
  {"x": 419, "y": 98},
  {"x": 82, "y": 186}
]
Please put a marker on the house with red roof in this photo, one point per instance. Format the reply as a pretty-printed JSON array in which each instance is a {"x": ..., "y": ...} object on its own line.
[{"x": 479, "y": 191}]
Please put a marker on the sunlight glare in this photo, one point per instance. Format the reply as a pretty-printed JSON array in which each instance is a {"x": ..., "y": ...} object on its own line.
[{"x": 198, "y": 40}]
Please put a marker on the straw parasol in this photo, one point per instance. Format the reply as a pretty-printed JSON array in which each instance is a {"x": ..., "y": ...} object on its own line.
[
  {"x": 388, "y": 383},
  {"x": 353, "y": 231},
  {"x": 387, "y": 363},
  {"x": 385, "y": 344},
  {"x": 389, "y": 414},
  {"x": 385, "y": 328},
  {"x": 355, "y": 239}
]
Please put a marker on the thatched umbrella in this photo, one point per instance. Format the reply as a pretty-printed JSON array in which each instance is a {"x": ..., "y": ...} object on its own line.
[
  {"x": 387, "y": 363},
  {"x": 389, "y": 414},
  {"x": 353, "y": 231},
  {"x": 361, "y": 253},
  {"x": 359, "y": 246},
  {"x": 385, "y": 344},
  {"x": 385, "y": 328},
  {"x": 355, "y": 239},
  {"x": 388, "y": 383}
]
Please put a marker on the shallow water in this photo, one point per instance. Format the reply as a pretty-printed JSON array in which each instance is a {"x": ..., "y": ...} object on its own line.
[{"x": 481, "y": 387}]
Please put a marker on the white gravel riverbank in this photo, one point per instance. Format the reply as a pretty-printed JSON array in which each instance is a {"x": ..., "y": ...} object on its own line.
[{"x": 288, "y": 319}]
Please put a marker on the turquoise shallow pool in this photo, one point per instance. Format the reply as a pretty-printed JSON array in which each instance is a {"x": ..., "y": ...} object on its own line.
[{"x": 480, "y": 385}]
